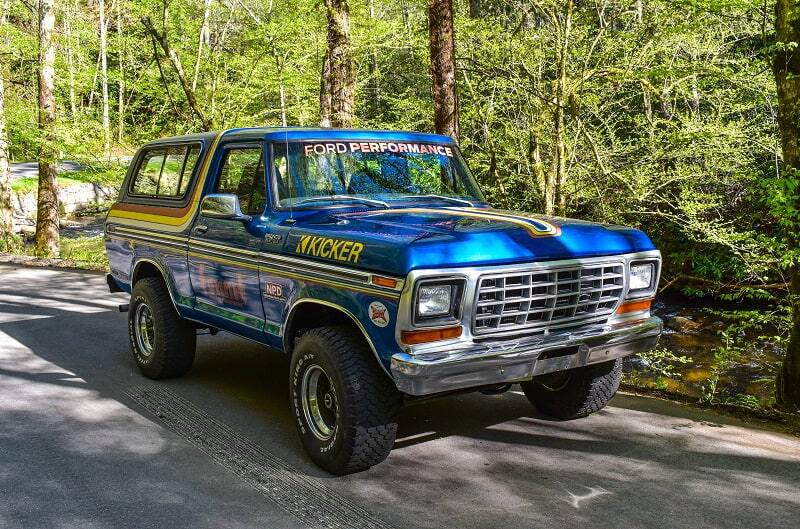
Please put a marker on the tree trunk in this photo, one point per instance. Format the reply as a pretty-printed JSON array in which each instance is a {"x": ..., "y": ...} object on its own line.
[
  {"x": 786, "y": 67},
  {"x": 336, "y": 82},
  {"x": 121, "y": 82},
  {"x": 73, "y": 111},
  {"x": 559, "y": 118},
  {"x": 47, "y": 237},
  {"x": 474, "y": 8},
  {"x": 374, "y": 83},
  {"x": 443, "y": 67},
  {"x": 202, "y": 39},
  {"x": 101, "y": 5},
  {"x": 6, "y": 209}
]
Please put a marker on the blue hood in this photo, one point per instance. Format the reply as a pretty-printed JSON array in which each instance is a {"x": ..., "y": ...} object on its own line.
[{"x": 399, "y": 240}]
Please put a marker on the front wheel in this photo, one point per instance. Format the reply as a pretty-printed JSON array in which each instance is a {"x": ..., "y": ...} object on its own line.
[
  {"x": 576, "y": 392},
  {"x": 345, "y": 406}
]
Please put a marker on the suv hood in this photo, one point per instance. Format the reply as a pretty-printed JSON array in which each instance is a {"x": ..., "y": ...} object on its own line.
[{"x": 396, "y": 241}]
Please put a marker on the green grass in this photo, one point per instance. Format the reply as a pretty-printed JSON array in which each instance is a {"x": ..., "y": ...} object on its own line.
[
  {"x": 85, "y": 252},
  {"x": 88, "y": 253}
]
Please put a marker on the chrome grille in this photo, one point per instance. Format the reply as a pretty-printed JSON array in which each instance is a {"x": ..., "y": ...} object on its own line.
[{"x": 547, "y": 298}]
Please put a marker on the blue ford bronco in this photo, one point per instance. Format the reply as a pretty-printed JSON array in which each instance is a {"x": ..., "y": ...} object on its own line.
[{"x": 374, "y": 261}]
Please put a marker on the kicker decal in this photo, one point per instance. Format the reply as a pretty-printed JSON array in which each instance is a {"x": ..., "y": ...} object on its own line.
[
  {"x": 338, "y": 249},
  {"x": 378, "y": 314}
]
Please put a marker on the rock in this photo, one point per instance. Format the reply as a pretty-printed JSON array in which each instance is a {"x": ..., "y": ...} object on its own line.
[{"x": 681, "y": 324}]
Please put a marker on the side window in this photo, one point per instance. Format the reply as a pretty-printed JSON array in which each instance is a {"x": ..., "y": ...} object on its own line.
[
  {"x": 165, "y": 172},
  {"x": 242, "y": 175}
]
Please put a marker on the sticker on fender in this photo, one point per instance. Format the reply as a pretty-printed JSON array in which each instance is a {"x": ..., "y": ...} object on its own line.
[{"x": 378, "y": 313}]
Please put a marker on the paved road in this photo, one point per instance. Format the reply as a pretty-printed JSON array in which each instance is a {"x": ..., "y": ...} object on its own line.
[
  {"x": 31, "y": 169},
  {"x": 87, "y": 442}
]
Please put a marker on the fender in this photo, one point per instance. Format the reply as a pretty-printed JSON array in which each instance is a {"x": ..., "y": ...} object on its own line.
[
  {"x": 164, "y": 275},
  {"x": 359, "y": 325}
]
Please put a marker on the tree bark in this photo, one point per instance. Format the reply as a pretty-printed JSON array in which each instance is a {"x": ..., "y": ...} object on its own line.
[
  {"x": 443, "y": 67},
  {"x": 558, "y": 198},
  {"x": 336, "y": 81},
  {"x": 121, "y": 82},
  {"x": 786, "y": 67},
  {"x": 73, "y": 111},
  {"x": 47, "y": 214},
  {"x": 6, "y": 209},
  {"x": 202, "y": 39},
  {"x": 474, "y": 8},
  {"x": 103, "y": 22},
  {"x": 161, "y": 38}
]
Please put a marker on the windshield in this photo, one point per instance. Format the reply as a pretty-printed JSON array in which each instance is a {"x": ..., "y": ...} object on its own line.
[{"x": 370, "y": 173}]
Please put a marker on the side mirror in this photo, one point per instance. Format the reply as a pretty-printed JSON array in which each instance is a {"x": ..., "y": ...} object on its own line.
[{"x": 219, "y": 206}]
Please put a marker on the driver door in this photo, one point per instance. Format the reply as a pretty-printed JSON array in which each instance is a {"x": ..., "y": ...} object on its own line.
[{"x": 223, "y": 253}]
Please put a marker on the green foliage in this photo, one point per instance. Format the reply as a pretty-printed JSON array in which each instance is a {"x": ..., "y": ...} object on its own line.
[{"x": 87, "y": 252}]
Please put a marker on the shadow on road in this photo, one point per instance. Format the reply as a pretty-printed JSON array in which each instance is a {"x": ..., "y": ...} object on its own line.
[{"x": 466, "y": 460}]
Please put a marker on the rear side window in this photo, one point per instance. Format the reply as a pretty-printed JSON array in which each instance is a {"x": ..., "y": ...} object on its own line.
[{"x": 165, "y": 172}]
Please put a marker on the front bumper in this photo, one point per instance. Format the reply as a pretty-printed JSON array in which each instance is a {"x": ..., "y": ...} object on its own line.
[{"x": 501, "y": 362}]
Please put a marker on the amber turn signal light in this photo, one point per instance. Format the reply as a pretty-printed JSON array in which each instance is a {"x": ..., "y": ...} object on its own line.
[
  {"x": 635, "y": 306},
  {"x": 384, "y": 281},
  {"x": 430, "y": 335}
]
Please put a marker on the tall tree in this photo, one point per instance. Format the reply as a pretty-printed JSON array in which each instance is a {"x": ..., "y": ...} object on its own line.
[
  {"x": 47, "y": 214},
  {"x": 103, "y": 22},
  {"x": 177, "y": 65},
  {"x": 6, "y": 209},
  {"x": 336, "y": 81},
  {"x": 443, "y": 67},
  {"x": 786, "y": 66}
]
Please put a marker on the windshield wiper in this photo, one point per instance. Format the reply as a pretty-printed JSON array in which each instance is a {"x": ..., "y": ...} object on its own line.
[
  {"x": 336, "y": 198},
  {"x": 442, "y": 197}
]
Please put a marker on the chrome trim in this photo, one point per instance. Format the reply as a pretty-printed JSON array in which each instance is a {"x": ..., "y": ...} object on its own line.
[
  {"x": 405, "y": 311},
  {"x": 552, "y": 285},
  {"x": 290, "y": 315},
  {"x": 449, "y": 368}
]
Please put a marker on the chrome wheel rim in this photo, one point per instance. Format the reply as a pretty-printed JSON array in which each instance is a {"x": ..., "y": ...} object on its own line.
[
  {"x": 144, "y": 329},
  {"x": 554, "y": 381},
  {"x": 319, "y": 403}
]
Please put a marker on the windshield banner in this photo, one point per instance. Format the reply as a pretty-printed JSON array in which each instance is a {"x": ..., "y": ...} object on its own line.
[{"x": 376, "y": 147}]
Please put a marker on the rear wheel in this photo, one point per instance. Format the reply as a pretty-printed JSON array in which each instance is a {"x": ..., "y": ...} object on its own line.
[
  {"x": 162, "y": 342},
  {"x": 576, "y": 392},
  {"x": 345, "y": 406}
]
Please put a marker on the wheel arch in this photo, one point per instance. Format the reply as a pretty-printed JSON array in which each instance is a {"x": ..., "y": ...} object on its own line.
[
  {"x": 146, "y": 267},
  {"x": 317, "y": 310}
]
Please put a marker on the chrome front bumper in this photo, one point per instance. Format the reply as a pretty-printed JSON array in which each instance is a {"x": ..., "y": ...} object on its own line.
[{"x": 486, "y": 363}]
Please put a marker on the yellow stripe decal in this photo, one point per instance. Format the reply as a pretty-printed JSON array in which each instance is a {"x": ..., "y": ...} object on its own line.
[
  {"x": 178, "y": 222},
  {"x": 534, "y": 227}
]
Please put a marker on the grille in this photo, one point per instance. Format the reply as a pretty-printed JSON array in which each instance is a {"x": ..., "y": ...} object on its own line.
[{"x": 544, "y": 299}]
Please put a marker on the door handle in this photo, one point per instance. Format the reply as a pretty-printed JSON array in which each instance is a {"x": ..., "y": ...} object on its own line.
[{"x": 201, "y": 228}]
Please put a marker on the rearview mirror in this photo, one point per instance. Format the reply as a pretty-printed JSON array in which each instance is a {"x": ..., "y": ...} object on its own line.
[{"x": 219, "y": 206}]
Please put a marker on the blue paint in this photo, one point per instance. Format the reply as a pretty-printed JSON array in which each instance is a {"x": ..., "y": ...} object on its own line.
[{"x": 396, "y": 241}]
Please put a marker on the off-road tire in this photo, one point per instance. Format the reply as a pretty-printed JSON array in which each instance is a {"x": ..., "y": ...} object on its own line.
[
  {"x": 365, "y": 399},
  {"x": 585, "y": 391},
  {"x": 174, "y": 339}
]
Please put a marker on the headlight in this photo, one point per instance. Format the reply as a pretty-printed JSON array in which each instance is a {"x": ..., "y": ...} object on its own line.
[
  {"x": 434, "y": 300},
  {"x": 641, "y": 280},
  {"x": 438, "y": 301}
]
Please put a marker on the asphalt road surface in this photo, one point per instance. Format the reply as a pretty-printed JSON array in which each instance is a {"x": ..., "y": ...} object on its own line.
[{"x": 86, "y": 442}]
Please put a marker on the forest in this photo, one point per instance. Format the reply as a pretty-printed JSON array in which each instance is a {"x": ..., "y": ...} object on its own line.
[{"x": 678, "y": 117}]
